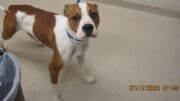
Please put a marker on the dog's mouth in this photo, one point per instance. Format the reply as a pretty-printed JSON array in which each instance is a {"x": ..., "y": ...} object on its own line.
[
  {"x": 94, "y": 36},
  {"x": 84, "y": 36}
]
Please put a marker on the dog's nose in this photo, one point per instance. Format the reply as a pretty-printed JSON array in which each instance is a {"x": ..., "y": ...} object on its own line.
[{"x": 88, "y": 29}]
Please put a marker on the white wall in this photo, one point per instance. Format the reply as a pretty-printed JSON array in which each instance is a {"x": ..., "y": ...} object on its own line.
[{"x": 167, "y": 4}]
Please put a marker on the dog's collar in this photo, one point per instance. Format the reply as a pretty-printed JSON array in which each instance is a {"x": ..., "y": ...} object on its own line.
[
  {"x": 78, "y": 1},
  {"x": 73, "y": 39}
]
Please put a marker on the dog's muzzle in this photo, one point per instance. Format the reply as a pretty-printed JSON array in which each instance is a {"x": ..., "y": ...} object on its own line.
[{"x": 88, "y": 29}]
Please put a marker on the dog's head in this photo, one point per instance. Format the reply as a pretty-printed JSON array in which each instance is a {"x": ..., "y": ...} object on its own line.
[{"x": 83, "y": 19}]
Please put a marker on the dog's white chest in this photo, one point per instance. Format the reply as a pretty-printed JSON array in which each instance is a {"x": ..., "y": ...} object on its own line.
[{"x": 77, "y": 51}]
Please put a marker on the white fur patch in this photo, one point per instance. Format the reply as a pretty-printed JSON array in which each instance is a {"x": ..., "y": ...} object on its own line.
[
  {"x": 64, "y": 45},
  {"x": 25, "y": 21}
]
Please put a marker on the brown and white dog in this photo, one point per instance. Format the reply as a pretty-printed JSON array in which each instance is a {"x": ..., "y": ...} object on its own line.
[{"x": 66, "y": 35}]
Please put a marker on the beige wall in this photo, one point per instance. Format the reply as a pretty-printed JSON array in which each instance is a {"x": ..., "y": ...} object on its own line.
[{"x": 167, "y": 4}]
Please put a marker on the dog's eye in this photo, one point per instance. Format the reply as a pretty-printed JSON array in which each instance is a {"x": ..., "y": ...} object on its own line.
[
  {"x": 93, "y": 15},
  {"x": 76, "y": 18}
]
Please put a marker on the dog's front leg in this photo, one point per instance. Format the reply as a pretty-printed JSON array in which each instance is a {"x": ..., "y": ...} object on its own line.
[
  {"x": 54, "y": 68},
  {"x": 84, "y": 70}
]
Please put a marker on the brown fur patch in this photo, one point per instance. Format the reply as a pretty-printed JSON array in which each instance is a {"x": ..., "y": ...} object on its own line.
[
  {"x": 43, "y": 28},
  {"x": 73, "y": 10},
  {"x": 27, "y": 8},
  {"x": 93, "y": 8}
]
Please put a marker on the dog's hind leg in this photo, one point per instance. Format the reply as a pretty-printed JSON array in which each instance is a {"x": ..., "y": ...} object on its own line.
[{"x": 9, "y": 27}]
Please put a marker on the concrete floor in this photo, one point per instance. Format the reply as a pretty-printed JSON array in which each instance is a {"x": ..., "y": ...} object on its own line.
[{"x": 133, "y": 48}]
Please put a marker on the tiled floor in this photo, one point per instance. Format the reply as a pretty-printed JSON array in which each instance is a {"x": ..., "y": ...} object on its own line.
[{"x": 133, "y": 48}]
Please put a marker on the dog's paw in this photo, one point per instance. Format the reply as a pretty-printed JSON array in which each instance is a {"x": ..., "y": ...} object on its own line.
[
  {"x": 2, "y": 45},
  {"x": 56, "y": 98},
  {"x": 90, "y": 80}
]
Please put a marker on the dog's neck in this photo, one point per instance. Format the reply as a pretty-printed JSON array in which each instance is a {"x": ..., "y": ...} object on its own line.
[{"x": 71, "y": 35}]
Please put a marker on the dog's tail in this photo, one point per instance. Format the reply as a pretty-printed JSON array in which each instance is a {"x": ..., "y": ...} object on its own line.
[{"x": 3, "y": 9}]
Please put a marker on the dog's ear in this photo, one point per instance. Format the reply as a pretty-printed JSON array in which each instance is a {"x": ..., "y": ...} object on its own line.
[{"x": 66, "y": 10}]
